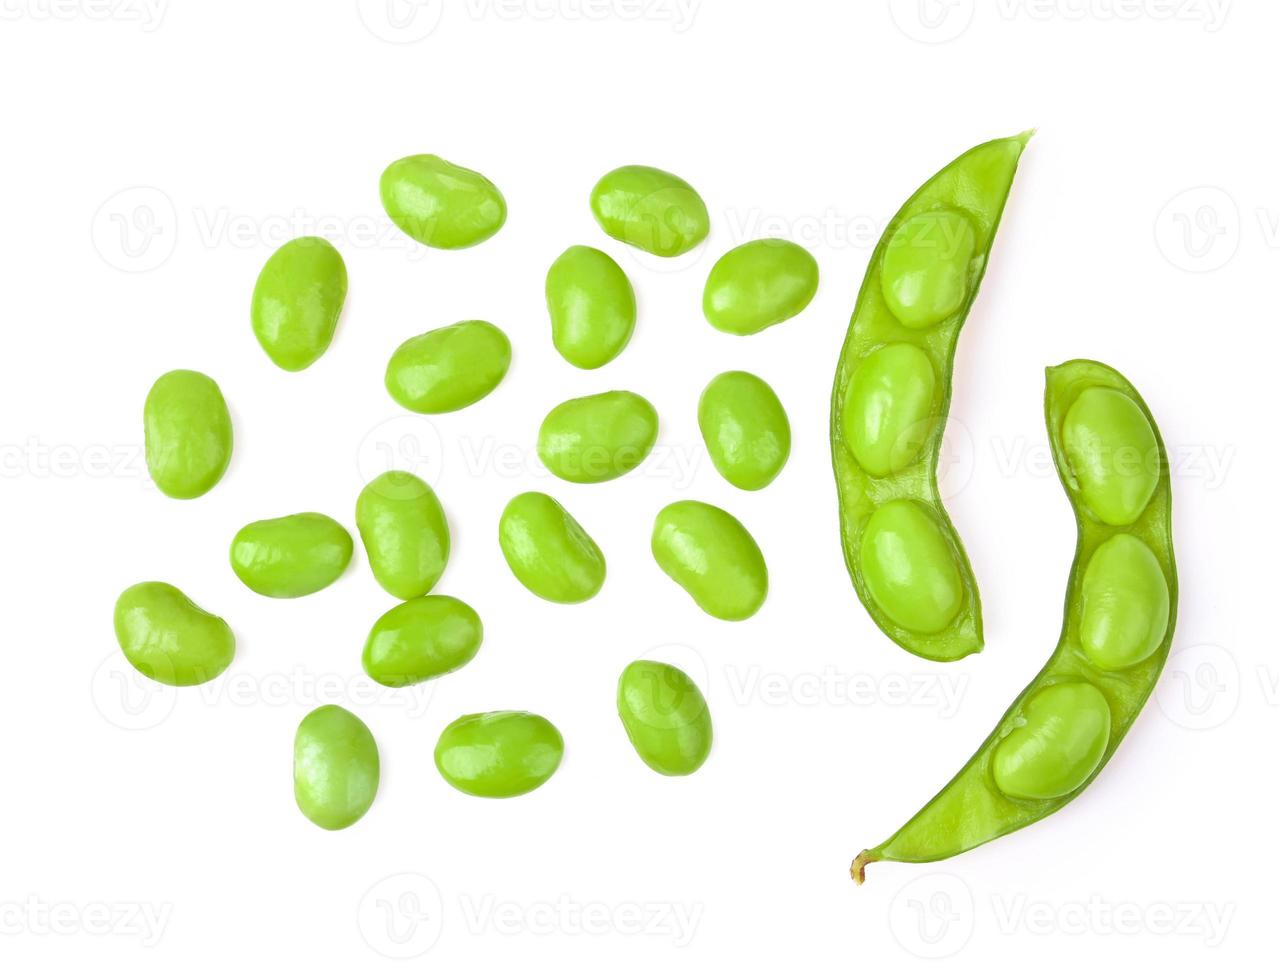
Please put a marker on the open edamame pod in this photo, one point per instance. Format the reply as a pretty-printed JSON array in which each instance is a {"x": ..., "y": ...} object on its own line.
[
  {"x": 891, "y": 395},
  {"x": 1121, "y": 607}
]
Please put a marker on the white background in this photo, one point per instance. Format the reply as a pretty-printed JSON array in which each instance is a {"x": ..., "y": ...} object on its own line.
[{"x": 154, "y": 156}]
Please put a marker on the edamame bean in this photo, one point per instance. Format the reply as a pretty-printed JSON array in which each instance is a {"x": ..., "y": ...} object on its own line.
[
  {"x": 297, "y": 301},
  {"x": 422, "y": 638},
  {"x": 650, "y": 209},
  {"x": 1112, "y": 455},
  {"x": 926, "y": 272},
  {"x": 592, "y": 307},
  {"x": 549, "y": 552},
  {"x": 404, "y": 532},
  {"x": 759, "y": 284},
  {"x": 335, "y": 767},
  {"x": 449, "y": 368},
  {"x": 441, "y": 204},
  {"x": 1058, "y": 744},
  {"x": 1124, "y": 603},
  {"x": 712, "y": 557},
  {"x": 499, "y": 754},
  {"x": 909, "y": 567},
  {"x": 892, "y": 392},
  {"x": 188, "y": 434},
  {"x": 598, "y": 437},
  {"x": 1121, "y": 608},
  {"x": 665, "y": 717},
  {"x": 287, "y": 557},
  {"x": 170, "y": 639},
  {"x": 745, "y": 429},
  {"x": 887, "y": 416}
]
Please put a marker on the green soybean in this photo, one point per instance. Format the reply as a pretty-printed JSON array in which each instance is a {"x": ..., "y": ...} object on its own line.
[
  {"x": 745, "y": 429},
  {"x": 170, "y": 639},
  {"x": 1111, "y": 451},
  {"x": 910, "y": 567},
  {"x": 665, "y": 717},
  {"x": 449, "y": 368},
  {"x": 404, "y": 532},
  {"x": 188, "y": 434},
  {"x": 297, "y": 301},
  {"x": 420, "y": 639},
  {"x": 441, "y": 204},
  {"x": 499, "y": 754},
  {"x": 891, "y": 396},
  {"x": 1124, "y": 603},
  {"x": 335, "y": 767},
  {"x": 759, "y": 284},
  {"x": 592, "y": 307},
  {"x": 1121, "y": 608},
  {"x": 887, "y": 414},
  {"x": 650, "y": 209},
  {"x": 1060, "y": 743},
  {"x": 549, "y": 552},
  {"x": 597, "y": 437},
  {"x": 287, "y": 557},
  {"x": 712, "y": 557}
]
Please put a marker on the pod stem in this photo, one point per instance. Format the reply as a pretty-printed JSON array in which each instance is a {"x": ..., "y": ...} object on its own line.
[{"x": 858, "y": 869}]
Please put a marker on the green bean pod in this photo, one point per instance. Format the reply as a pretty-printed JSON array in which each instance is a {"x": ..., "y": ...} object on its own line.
[
  {"x": 890, "y": 400},
  {"x": 1121, "y": 608}
]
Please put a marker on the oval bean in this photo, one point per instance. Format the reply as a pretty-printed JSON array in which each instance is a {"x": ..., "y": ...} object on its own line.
[
  {"x": 892, "y": 387},
  {"x": 1124, "y": 603},
  {"x": 910, "y": 569},
  {"x": 499, "y": 754},
  {"x": 404, "y": 532},
  {"x": 712, "y": 557},
  {"x": 745, "y": 429},
  {"x": 926, "y": 269},
  {"x": 336, "y": 768},
  {"x": 665, "y": 717},
  {"x": 888, "y": 412},
  {"x": 170, "y": 639},
  {"x": 449, "y": 368},
  {"x": 287, "y": 557},
  {"x": 759, "y": 284},
  {"x": 1059, "y": 741},
  {"x": 598, "y": 437},
  {"x": 188, "y": 434},
  {"x": 297, "y": 301},
  {"x": 441, "y": 204},
  {"x": 549, "y": 552},
  {"x": 650, "y": 209},
  {"x": 1111, "y": 451},
  {"x": 420, "y": 639},
  {"x": 1121, "y": 608},
  {"x": 592, "y": 307}
]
